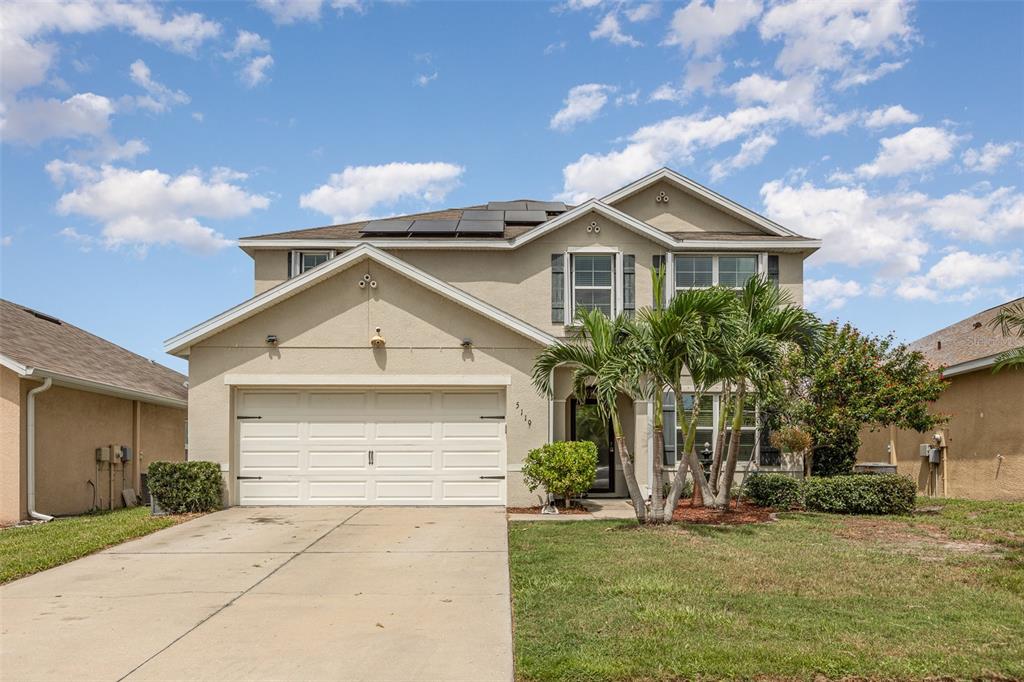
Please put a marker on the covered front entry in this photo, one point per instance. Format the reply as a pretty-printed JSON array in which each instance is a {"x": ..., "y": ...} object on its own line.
[{"x": 395, "y": 446}]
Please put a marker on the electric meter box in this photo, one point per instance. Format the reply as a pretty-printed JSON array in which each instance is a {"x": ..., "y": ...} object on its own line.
[{"x": 103, "y": 454}]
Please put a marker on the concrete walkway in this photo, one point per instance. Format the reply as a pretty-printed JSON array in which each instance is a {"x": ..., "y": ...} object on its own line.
[{"x": 325, "y": 593}]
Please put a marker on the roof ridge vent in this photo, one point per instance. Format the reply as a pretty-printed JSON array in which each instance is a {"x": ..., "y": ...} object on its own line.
[{"x": 43, "y": 316}]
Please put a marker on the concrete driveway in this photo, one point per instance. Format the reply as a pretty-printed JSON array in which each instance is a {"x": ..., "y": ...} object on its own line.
[{"x": 326, "y": 593}]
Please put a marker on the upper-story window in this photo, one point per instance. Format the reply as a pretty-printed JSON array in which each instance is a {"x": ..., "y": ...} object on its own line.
[
  {"x": 307, "y": 260},
  {"x": 593, "y": 282},
  {"x": 696, "y": 271}
]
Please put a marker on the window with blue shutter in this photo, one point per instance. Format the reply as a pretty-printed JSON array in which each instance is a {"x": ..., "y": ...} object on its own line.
[{"x": 668, "y": 412}]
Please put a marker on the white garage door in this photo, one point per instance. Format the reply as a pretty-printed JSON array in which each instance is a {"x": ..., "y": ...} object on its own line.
[{"x": 429, "y": 447}]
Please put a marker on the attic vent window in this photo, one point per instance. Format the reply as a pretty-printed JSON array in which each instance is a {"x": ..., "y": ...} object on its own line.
[
  {"x": 43, "y": 316},
  {"x": 938, "y": 345},
  {"x": 977, "y": 325}
]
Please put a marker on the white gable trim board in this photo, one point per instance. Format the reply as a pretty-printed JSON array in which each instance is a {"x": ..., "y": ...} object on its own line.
[{"x": 178, "y": 345}]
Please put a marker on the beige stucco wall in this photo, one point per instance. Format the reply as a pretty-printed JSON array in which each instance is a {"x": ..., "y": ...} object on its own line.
[
  {"x": 326, "y": 330},
  {"x": 682, "y": 213},
  {"x": 270, "y": 268},
  {"x": 791, "y": 275},
  {"x": 12, "y": 475},
  {"x": 986, "y": 420},
  {"x": 70, "y": 425}
]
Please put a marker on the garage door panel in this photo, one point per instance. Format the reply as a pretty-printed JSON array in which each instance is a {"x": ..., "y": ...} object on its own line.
[
  {"x": 471, "y": 459},
  {"x": 339, "y": 492},
  {"x": 338, "y": 430},
  {"x": 320, "y": 460},
  {"x": 429, "y": 447}
]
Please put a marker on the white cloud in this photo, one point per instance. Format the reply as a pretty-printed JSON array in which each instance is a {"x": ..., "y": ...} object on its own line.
[
  {"x": 198, "y": 116},
  {"x": 961, "y": 276},
  {"x": 832, "y": 35},
  {"x": 628, "y": 99},
  {"x": 34, "y": 120},
  {"x": 552, "y": 48},
  {"x": 255, "y": 71},
  {"x": 856, "y": 228},
  {"x": 666, "y": 92},
  {"x": 647, "y": 10},
  {"x": 888, "y": 116},
  {"x": 141, "y": 208},
  {"x": 701, "y": 75},
  {"x": 855, "y": 77},
  {"x": 357, "y": 191},
  {"x": 980, "y": 216},
  {"x": 751, "y": 153},
  {"x": 246, "y": 43},
  {"x": 85, "y": 242},
  {"x": 831, "y": 293},
  {"x": 108, "y": 149},
  {"x": 916, "y": 150},
  {"x": 423, "y": 80},
  {"x": 6, "y": 240},
  {"x": 159, "y": 97},
  {"x": 610, "y": 28},
  {"x": 574, "y": 5},
  {"x": 989, "y": 158},
  {"x": 292, "y": 11},
  {"x": 583, "y": 103},
  {"x": 703, "y": 28}
]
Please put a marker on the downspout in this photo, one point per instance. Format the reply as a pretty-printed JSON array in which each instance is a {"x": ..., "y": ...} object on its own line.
[{"x": 31, "y": 454}]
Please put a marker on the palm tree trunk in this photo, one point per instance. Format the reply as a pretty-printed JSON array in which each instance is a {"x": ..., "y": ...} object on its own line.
[
  {"x": 716, "y": 457},
  {"x": 658, "y": 479},
  {"x": 628, "y": 472},
  {"x": 700, "y": 482},
  {"x": 684, "y": 463},
  {"x": 722, "y": 498}
]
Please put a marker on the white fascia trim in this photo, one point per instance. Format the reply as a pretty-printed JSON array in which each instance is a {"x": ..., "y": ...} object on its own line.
[
  {"x": 602, "y": 209},
  {"x": 703, "y": 192},
  {"x": 969, "y": 366},
  {"x": 747, "y": 245},
  {"x": 372, "y": 380},
  {"x": 178, "y": 344},
  {"x": 15, "y": 366},
  {"x": 78, "y": 383}
]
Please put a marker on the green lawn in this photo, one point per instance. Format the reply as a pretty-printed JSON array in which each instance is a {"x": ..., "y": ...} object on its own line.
[
  {"x": 811, "y": 594},
  {"x": 29, "y": 549}
]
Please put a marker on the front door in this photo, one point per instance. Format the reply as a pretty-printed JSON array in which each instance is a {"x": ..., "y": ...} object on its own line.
[{"x": 588, "y": 424}]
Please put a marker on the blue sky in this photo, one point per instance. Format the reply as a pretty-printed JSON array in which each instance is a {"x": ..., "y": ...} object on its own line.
[{"x": 140, "y": 140}]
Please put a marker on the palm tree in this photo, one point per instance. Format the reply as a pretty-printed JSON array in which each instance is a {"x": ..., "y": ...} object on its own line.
[
  {"x": 1010, "y": 321},
  {"x": 595, "y": 358},
  {"x": 764, "y": 320}
]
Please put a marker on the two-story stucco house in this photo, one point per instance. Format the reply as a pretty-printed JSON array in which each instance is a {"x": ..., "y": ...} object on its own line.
[{"x": 389, "y": 361}]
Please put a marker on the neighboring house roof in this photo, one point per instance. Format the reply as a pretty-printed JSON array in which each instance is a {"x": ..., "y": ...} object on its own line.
[
  {"x": 39, "y": 345},
  {"x": 346, "y": 235},
  {"x": 967, "y": 345},
  {"x": 179, "y": 345}
]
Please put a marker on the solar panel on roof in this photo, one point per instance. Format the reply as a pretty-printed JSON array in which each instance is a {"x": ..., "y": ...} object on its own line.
[
  {"x": 506, "y": 205},
  {"x": 433, "y": 227},
  {"x": 386, "y": 227},
  {"x": 480, "y": 214},
  {"x": 547, "y": 206},
  {"x": 525, "y": 217},
  {"x": 488, "y": 227}
]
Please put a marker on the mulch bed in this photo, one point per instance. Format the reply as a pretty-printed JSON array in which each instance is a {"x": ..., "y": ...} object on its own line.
[
  {"x": 573, "y": 509},
  {"x": 745, "y": 513}
]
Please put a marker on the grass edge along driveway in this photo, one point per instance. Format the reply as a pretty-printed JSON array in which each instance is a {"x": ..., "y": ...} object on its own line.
[
  {"x": 810, "y": 594},
  {"x": 25, "y": 550}
]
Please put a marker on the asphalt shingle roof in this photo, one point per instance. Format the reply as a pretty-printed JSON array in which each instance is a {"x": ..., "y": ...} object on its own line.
[
  {"x": 38, "y": 340},
  {"x": 966, "y": 340}
]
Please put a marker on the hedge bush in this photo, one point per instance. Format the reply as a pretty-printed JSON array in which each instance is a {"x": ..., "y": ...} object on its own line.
[
  {"x": 860, "y": 494},
  {"x": 182, "y": 487},
  {"x": 773, "y": 490},
  {"x": 564, "y": 468}
]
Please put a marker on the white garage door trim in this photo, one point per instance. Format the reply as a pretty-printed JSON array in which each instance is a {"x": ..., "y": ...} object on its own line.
[{"x": 389, "y": 446}]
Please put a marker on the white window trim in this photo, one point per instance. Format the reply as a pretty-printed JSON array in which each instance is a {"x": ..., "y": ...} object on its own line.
[
  {"x": 716, "y": 399},
  {"x": 762, "y": 265},
  {"x": 618, "y": 303},
  {"x": 296, "y": 258}
]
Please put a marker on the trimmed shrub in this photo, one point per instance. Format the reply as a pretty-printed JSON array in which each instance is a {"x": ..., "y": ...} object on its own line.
[
  {"x": 182, "y": 487},
  {"x": 563, "y": 468},
  {"x": 860, "y": 494},
  {"x": 773, "y": 490}
]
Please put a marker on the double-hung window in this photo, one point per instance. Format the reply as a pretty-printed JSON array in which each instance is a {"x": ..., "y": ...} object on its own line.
[
  {"x": 307, "y": 260},
  {"x": 700, "y": 270},
  {"x": 707, "y": 428},
  {"x": 593, "y": 282}
]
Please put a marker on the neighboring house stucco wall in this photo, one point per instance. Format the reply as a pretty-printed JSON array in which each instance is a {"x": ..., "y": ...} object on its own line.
[
  {"x": 326, "y": 330},
  {"x": 70, "y": 425},
  {"x": 986, "y": 420}
]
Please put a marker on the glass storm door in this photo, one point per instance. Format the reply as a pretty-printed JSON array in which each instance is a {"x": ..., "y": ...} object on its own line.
[{"x": 587, "y": 424}]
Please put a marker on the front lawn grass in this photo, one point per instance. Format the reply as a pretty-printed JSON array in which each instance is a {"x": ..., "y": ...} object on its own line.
[
  {"x": 29, "y": 549},
  {"x": 812, "y": 594}
]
